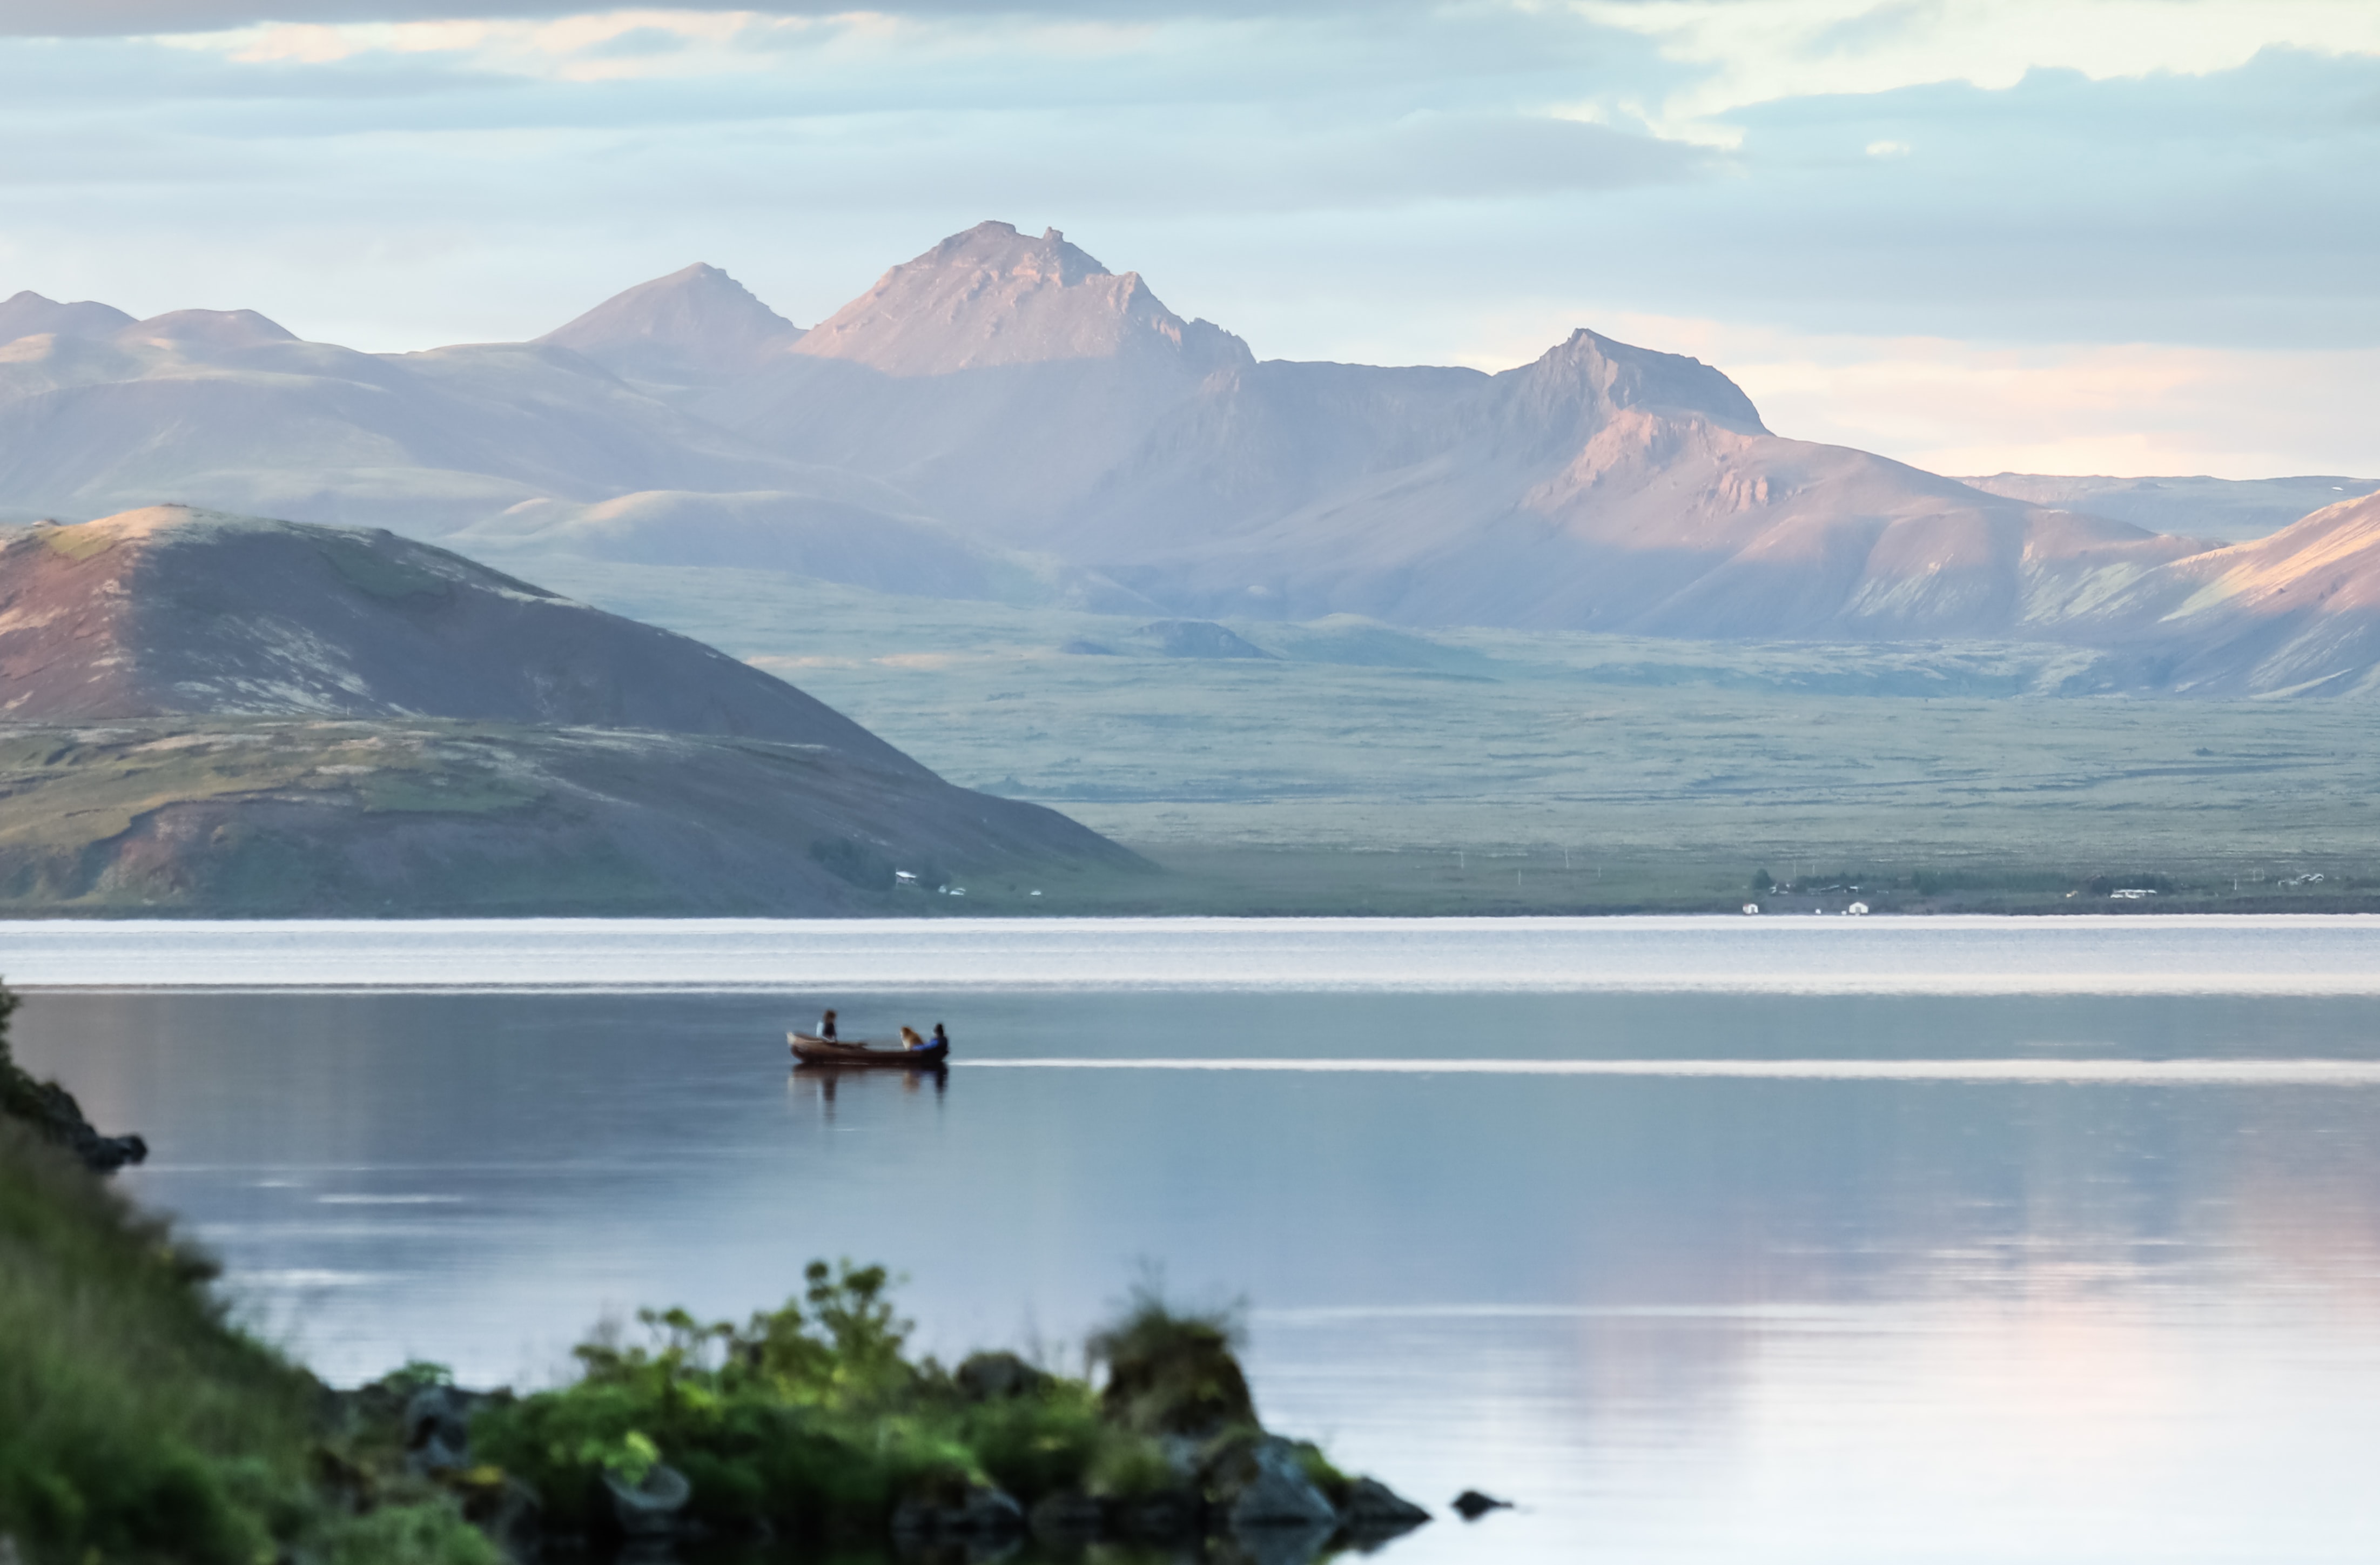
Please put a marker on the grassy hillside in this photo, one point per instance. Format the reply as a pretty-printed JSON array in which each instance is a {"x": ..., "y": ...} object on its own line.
[
  {"x": 259, "y": 817},
  {"x": 140, "y": 1424},
  {"x": 1367, "y": 769}
]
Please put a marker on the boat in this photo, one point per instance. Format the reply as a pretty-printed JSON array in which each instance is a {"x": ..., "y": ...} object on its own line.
[{"x": 831, "y": 1052}]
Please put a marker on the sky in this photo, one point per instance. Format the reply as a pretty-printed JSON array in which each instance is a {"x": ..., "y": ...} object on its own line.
[{"x": 2126, "y": 237}]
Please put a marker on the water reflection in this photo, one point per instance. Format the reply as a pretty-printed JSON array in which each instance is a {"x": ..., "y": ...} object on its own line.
[
  {"x": 818, "y": 1085},
  {"x": 1753, "y": 1312}
]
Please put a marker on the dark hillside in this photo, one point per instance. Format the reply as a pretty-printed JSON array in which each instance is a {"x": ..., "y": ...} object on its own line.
[
  {"x": 219, "y": 715},
  {"x": 171, "y": 610}
]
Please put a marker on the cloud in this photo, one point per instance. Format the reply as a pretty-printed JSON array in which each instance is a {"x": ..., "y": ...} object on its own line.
[
  {"x": 135, "y": 18},
  {"x": 1396, "y": 183},
  {"x": 1754, "y": 52},
  {"x": 1954, "y": 407}
]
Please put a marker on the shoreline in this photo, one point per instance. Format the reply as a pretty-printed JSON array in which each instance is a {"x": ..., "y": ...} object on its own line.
[{"x": 1959, "y": 954}]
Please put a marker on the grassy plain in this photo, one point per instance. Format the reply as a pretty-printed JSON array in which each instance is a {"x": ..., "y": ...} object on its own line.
[{"x": 1363, "y": 768}]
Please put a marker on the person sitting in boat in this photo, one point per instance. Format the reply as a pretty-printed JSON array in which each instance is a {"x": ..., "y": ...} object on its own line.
[
  {"x": 909, "y": 1039},
  {"x": 826, "y": 1026},
  {"x": 941, "y": 1038}
]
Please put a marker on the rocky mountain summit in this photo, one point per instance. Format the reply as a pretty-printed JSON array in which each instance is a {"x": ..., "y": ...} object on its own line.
[
  {"x": 218, "y": 713},
  {"x": 991, "y": 296}
]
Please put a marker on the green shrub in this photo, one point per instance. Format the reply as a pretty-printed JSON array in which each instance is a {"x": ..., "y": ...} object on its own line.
[
  {"x": 1126, "y": 1465},
  {"x": 1038, "y": 1443},
  {"x": 430, "y": 1532}
]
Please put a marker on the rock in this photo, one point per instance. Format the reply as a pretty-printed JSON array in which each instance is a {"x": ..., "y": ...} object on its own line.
[
  {"x": 948, "y": 1509},
  {"x": 52, "y": 1110},
  {"x": 1372, "y": 1513},
  {"x": 106, "y": 1154},
  {"x": 991, "y": 1377},
  {"x": 1265, "y": 1484},
  {"x": 1068, "y": 1519},
  {"x": 1472, "y": 1505},
  {"x": 650, "y": 1508},
  {"x": 438, "y": 1429}
]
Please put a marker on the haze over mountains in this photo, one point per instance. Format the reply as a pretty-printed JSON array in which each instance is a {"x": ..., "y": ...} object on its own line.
[{"x": 1004, "y": 417}]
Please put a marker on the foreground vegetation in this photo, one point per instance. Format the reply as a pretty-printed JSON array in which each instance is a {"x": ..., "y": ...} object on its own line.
[
  {"x": 145, "y": 1424},
  {"x": 140, "y": 1423},
  {"x": 811, "y": 1422}
]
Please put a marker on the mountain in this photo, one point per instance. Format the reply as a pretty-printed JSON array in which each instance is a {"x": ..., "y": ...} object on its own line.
[
  {"x": 840, "y": 528},
  {"x": 997, "y": 378},
  {"x": 1603, "y": 487},
  {"x": 169, "y": 611},
  {"x": 2294, "y": 613},
  {"x": 692, "y": 328},
  {"x": 221, "y": 713},
  {"x": 28, "y": 314},
  {"x": 991, "y": 297},
  {"x": 2226, "y": 510},
  {"x": 228, "y": 409},
  {"x": 1003, "y": 417},
  {"x": 1018, "y": 388}
]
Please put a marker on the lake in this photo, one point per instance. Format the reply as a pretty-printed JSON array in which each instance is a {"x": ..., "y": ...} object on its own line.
[{"x": 1757, "y": 1240}]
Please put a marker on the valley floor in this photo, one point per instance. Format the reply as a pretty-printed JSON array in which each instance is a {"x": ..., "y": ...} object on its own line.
[{"x": 1358, "y": 768}]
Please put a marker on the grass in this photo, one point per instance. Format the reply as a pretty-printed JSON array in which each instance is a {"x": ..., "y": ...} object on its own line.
[
  {"x": 286, "y": 817},
  {"x": 70, "y": 787},
  {"x": 1374, "y": 769},
  {"x": 141, "y": 1425},
  {"x": 1362, "y": 770}
]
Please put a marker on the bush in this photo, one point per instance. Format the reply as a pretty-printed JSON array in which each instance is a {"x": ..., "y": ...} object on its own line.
[
  {"x": 1038, "y": 1442},
  {"x": 812, "y": 1418},
  {"x": 801, "y": 1417}
]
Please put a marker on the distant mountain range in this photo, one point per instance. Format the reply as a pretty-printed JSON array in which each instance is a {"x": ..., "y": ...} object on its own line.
[
  {"x": 222, "y": 714},
  {"x": 1004, "y": 417}
]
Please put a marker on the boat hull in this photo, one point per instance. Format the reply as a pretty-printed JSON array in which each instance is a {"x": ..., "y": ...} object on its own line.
[{"x": 819, "y": 1051}]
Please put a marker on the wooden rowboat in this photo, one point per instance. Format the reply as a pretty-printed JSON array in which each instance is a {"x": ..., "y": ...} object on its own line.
[{"x": 824, "y": 1051}]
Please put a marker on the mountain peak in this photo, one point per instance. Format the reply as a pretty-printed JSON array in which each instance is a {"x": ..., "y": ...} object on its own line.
[
  {"x": 210, "y": 328},
  {"x": 695, "y": 325},
  {"x": 1580, "y": 382},
  {"x": 28, "y": 314},
  {"x": 992, "y": 296}
]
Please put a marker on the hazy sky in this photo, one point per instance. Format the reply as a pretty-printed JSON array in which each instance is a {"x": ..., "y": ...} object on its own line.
[{"x": 2057, "y": 235}]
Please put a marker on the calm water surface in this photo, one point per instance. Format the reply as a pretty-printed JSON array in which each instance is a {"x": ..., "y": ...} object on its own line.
[{"x": 2075, "y": 1258}]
